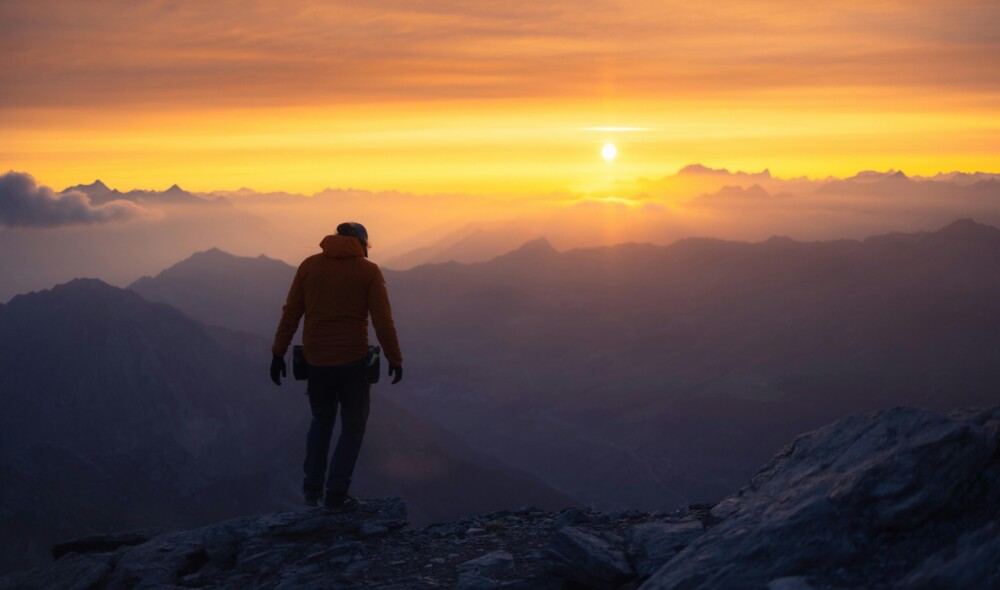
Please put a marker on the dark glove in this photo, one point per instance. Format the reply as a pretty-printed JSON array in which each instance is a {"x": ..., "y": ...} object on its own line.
[
  {"x": 278, "y": 368},
  {"x": 398, "y": 371}
]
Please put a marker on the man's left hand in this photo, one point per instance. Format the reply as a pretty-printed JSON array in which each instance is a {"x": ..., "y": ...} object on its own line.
[
  {"x": 398, "y": 371},
  {"x": 278, "y": 369}
]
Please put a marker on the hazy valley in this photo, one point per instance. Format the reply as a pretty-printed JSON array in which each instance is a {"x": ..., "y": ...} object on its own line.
[
  {"x": 119, "y": 413},
  {"x": 651, "y": 376}
]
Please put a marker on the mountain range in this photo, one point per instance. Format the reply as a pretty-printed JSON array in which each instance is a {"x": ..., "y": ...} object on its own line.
[
  {"x": 736, "y": 205},
  {"x": 100, "y": 193},
  {"x": 152, "y": 229},
  {"x": 654, "y": 376}
]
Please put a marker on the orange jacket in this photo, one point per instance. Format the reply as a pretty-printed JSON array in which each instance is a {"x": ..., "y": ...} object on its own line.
[{"x": 336, "y": 290}]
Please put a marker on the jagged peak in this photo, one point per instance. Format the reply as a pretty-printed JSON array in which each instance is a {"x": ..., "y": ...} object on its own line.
[
  {"x": 700, "y": 169},
  {"x": 213, "y": 252},
  {"x": 95, "y": 187},
  {"x": 874, "y": 175},
  {"x": 539, "y": 247}
]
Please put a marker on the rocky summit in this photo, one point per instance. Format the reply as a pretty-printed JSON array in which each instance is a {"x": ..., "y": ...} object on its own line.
[{"x": 901, "y": 498}]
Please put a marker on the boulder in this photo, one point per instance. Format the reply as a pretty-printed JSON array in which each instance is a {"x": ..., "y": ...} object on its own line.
[
  {"x": 588, "y": 559},
  {"x": 74, "y": 571},
  {"x": 568, "y": 517},
  {"x": 104, "y": 542},
  {"x": 298, "y": 549},
  {"x": 850, "y": 504},
  {"x": 496, "y": 564},
  {"x": 973, "y": 562},
  {"x": 652, "y": 544}
]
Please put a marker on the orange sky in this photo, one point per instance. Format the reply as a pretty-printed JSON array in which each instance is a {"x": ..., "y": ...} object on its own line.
[{"x": 491, "y": 97}]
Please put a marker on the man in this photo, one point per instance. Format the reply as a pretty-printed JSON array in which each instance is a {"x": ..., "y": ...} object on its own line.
[{"x": 336, "y": 290}]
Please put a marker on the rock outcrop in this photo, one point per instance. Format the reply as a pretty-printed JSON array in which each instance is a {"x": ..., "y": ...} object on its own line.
[
  {"x": 902, "y": 498},
  {"x": 863, "y": 502}
]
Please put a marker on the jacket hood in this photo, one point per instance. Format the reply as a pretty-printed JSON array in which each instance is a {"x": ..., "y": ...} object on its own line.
[{"x": 342, "y": 247}]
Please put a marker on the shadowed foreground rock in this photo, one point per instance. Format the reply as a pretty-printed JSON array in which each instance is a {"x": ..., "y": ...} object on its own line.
[
  {"x": 897, "y": 499},
  {"x": 863, "y": 502}
]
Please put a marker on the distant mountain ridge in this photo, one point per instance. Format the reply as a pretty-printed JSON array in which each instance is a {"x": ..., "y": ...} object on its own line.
[
  {"x": 644, "y": 375},
  {"x": 240, "y": 307},
  {"x": 260, "y": 284},
  {"x": 959, "y": 231},
  {"x": 100, "y": 193}
]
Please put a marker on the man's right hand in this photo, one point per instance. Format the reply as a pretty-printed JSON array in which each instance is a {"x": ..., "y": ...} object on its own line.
[
  {"x": 396, "y": 370},
  {"x": 278, "y": 369}
]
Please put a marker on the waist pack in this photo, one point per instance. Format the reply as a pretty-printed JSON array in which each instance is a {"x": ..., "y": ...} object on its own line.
[
  {"x": 300, "y": 368},
  {"x": 372, "y": 362}
]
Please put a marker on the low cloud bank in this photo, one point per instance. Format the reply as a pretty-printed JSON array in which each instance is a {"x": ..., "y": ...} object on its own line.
[{"x": 25, "y": 203}]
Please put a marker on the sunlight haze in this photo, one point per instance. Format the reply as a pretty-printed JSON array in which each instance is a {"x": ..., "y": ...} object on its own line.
[{"x": 491, "y": 98}]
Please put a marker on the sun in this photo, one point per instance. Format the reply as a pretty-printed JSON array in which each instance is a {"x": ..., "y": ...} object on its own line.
[{"x": 609, "y": 151}]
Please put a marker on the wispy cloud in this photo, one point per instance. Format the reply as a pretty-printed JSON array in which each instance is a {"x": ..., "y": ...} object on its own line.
[{"x": 269, "y": 52}]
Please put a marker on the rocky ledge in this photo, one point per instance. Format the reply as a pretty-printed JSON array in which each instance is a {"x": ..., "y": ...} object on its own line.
[{"x": 903, "y": 498}]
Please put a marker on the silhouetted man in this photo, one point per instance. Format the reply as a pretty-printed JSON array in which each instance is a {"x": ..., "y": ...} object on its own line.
[{"x": 336, "y": 290}]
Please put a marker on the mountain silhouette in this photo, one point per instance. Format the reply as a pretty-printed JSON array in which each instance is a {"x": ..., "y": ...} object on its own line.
[
  {"x": 654, "y": 376},
  {"x": 466, "y": 246},
  {"x": 698, "y": 169},
  {"x": 967, "y": 230},
  {"x": 217, "y": 288},
  {"x": 122, "y": 413},
  {"x": 100, "y": 193},
  {"x": 894, "y": 184},
  {"x": 530, "y": 252},
  {"x": 647, "y": 364},
  {"x": 94, "y": 189}
]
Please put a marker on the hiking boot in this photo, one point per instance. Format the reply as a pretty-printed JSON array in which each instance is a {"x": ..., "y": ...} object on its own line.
[
  {"x": 340, "y": 504},
  {"x": 312, "y": 498}
]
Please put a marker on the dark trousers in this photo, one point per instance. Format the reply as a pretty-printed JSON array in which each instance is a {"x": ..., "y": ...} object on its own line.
[{"x": 328, "y": 387}]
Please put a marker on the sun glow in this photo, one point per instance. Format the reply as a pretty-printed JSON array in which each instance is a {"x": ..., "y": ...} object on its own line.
[{"x": 609, "y": 151}]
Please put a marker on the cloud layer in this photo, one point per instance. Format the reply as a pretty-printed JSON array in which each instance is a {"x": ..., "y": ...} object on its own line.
[
  {"x": 414, "y": 228},
  {"x": 25, "y": 203},
  {"x": 270, "y": 52}
]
